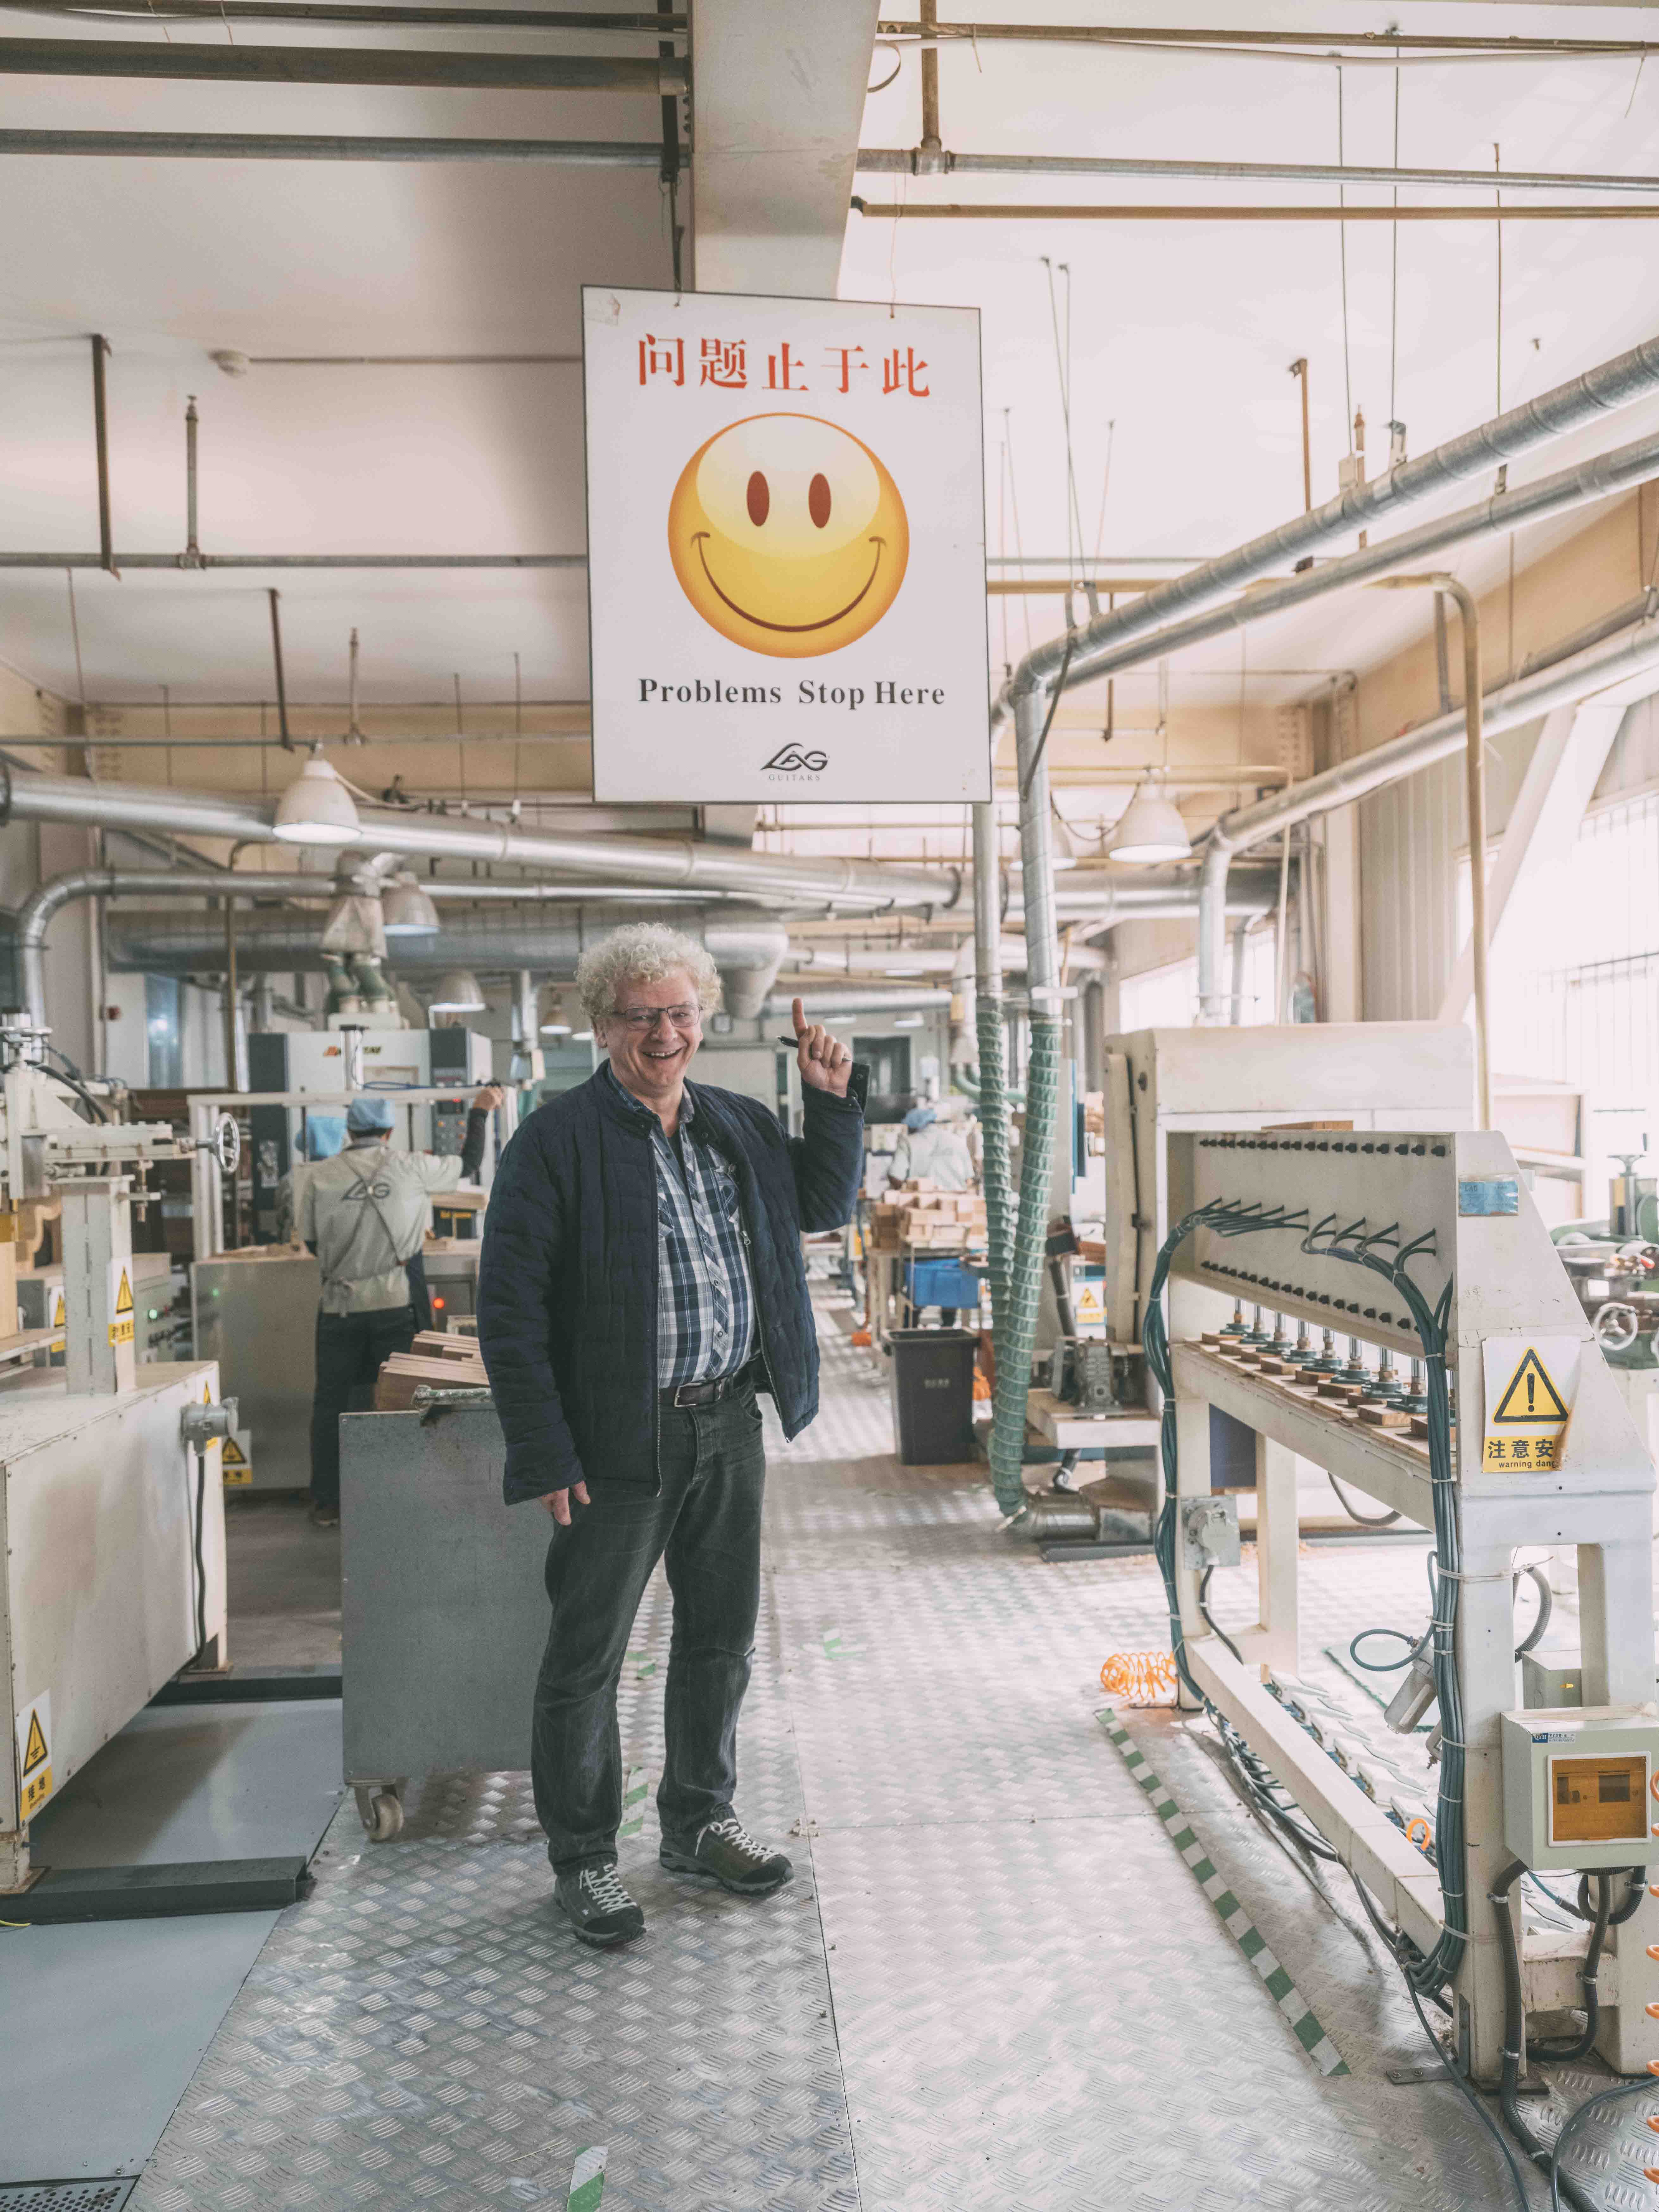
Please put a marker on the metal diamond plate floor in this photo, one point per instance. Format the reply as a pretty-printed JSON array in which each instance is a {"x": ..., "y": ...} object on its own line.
[{"x": 994, "y": 1981}]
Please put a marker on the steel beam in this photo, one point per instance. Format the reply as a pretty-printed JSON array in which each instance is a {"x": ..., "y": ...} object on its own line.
[{"x": 383, "y": 65}]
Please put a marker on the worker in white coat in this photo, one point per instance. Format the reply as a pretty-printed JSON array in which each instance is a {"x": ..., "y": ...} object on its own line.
[
  {"x": 933, "y": 1150},
  {"x": 364, "y": 1214}
]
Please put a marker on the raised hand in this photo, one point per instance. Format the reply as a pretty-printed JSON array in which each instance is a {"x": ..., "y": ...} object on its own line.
[{"x": 824, "y": 1061}]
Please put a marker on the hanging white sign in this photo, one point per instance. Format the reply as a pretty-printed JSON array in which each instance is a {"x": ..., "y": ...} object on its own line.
[{"x": 785, "y": 549}]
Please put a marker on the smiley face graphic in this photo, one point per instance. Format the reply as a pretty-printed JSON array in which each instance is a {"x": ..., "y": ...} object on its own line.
[{"x": 788, "y": 535}]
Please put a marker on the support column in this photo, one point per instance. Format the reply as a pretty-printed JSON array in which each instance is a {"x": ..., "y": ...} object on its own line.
[
  {"x": 1486, "y": 1653},
  {"x": 1276, "y": 1638},
  {"x": 100, "y": 1353}
]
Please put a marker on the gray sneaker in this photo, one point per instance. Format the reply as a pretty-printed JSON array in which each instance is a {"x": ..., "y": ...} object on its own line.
[
  {"x": 726, "y": 1852},
  {"x": 599, "y": 1910}
]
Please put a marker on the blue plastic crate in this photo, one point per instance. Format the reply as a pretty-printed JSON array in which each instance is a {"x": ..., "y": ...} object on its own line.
[{"x": 941, "y": 1283}]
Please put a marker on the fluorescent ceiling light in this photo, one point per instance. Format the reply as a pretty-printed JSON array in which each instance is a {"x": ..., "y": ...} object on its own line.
[
  {"x": 1149, "y": 829},
  {"x": 456, "y": 991},
  {"x": 904, "y": 971},
  {"x": 906, "y": 1021},
  {"x": 316, "y": 809}
]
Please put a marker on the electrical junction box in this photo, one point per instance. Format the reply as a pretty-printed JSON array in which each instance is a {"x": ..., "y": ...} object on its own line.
[{"x": 1578, "y": 1785}]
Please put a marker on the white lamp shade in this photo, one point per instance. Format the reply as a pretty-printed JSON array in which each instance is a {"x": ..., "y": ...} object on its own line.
[
  {"x": 408, "y": 911},
  {"x": 1149, "y": 829},
  {"x": 316, "y": 809},
  {"x": 456, "y": 991}
]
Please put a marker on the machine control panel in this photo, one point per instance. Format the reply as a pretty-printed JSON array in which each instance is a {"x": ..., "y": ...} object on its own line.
[{"x": 1578, "y": 1786}]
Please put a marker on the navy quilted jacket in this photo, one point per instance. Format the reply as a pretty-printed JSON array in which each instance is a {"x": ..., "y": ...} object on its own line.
[{"x": 568, "y": 1277}]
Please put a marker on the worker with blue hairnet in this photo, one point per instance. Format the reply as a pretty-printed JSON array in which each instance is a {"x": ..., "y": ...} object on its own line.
[
  {"x": 364, "y": 1214},
  {"x": 933, "y": 1150}
]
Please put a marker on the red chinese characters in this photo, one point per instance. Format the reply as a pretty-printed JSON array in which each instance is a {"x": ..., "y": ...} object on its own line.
[{"x": 723, "y": 364}]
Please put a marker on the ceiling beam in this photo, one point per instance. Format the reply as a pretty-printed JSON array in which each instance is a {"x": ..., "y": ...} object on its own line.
[
  {"x": 386, "y": 65},
  {"x": 781, "y": 87}
]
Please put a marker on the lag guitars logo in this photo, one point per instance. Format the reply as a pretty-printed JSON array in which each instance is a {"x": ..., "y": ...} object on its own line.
[{"x": 791, "y": 760}]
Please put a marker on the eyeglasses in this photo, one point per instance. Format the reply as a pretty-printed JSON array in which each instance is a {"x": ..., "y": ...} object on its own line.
[{"x": 641, "y": 1019}]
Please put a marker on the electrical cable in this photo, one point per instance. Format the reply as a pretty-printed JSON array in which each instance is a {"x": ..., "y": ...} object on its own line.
[
  {"x": 201, "y": 1570},
  {"x": 1574, "y": 2121},
  {"x": 1427, "y": 1972},
  {"x": 1365, "y": 1520},
  {"x": 1213, "y": 1625},
  {"x": 1413, "y": 1645}
]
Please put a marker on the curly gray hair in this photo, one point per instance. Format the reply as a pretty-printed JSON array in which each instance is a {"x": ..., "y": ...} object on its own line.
[{"x": 643, "y": 952}]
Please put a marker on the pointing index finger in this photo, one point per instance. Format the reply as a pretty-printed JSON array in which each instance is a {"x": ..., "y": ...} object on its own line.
[{"x": 798, "y": 1013}]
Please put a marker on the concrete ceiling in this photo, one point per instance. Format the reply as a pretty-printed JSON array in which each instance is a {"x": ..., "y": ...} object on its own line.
[{"x": 1181, "y": 334}]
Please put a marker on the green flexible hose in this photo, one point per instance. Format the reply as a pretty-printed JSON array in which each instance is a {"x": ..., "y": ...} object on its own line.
[{"x": 1015, "y": 1312}]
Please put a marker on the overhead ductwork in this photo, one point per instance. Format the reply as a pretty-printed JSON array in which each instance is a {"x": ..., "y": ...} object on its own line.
[
  {"x": 1097, "y": 645},
  {"x": 179, "y": 944},
  {"x": 672, "y": 863}
]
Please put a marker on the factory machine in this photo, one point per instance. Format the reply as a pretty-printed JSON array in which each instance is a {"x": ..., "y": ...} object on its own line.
[
  {"x": 111, "y": 1523},
  {"x": 1422, "y": 1340},
  {"x": 1160, "y": 1083},
  {"x": 255, "y": 1309},
  {"x": 305, "y": 1065}
]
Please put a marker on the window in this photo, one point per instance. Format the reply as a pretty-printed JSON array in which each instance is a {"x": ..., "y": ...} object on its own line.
[
  {"x": 1167, "y": 998},
  {"x": 162, "y": 1033},
  {"x": 1574, "y": 987}
]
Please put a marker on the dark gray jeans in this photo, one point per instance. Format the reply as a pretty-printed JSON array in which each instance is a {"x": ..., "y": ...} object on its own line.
[{"x": 706, "y": 1522}]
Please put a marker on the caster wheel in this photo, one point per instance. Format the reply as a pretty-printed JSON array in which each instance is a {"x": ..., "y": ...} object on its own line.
[
  {"x": 381, "y": 1812},
  {"x": 388, "y": 1816}
]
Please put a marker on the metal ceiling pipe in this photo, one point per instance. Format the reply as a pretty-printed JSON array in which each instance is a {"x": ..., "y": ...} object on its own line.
[
  {"x": 309, "y": 11},
  {"x": 296, "y": 146},
  {"x": 1593, "y": 479},
  {"x": 34, "y": 915},
  {"x": 673, "y": 862},
  {"x": 1579, "y": 675},
  {"x": 190, "y": 561},
  {"x": 1565, "y": 407},
  {"x": 835, "y": 1003},
  {"x": 892, "y": 160},
  {"x": 379, "y": 66},
  {"x": 174, "y": 943},
  {"x": 828, "y": 957}
]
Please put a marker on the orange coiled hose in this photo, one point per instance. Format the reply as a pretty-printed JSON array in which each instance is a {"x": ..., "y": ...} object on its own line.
[{"x": 1140, "y": 1678}]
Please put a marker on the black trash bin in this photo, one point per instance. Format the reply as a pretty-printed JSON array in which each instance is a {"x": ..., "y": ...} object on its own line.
[{"x": 933, "y": 1395}]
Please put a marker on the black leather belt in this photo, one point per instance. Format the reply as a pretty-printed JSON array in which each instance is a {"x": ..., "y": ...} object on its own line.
[{"x": 684, "y": 1395}]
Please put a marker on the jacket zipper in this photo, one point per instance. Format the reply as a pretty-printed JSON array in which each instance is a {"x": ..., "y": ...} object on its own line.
[
  {"x": 754, "y": 1293},
  {"x": 656, "y": 1299}
]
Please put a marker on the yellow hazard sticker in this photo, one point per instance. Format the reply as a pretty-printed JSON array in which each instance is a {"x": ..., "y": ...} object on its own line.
[
  {"x": 120, "y": 1330},
  {"x": 1531, "y": 1386},
  {"x": 57, "y": 1311},
  {"x": 234, "y": 1463},
  {"x": 34, "y": 1755}
]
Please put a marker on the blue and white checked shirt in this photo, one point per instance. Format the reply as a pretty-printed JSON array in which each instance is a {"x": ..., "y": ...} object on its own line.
[{"x": 705, "y": 1287}]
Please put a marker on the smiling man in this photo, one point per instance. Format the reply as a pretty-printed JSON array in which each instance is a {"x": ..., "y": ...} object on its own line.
[{"x": 641, "y": 1282}]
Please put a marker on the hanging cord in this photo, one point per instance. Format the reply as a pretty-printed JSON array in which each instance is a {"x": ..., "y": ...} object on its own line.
[
  {"x": 1342, "y": 243},
  {"x": 1049, "y": 723},
  {"x": 1393, "y": 271}
]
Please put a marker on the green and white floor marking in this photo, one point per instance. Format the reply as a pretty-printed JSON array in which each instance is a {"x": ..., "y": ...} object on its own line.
[
  {"x": 1234, "y": 1918},
  {"x": 586, "y": 2181},
  {"x": 636, "y": 1787}
]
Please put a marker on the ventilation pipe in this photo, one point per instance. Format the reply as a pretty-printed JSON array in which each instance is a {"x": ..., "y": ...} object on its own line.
[
  {"x": 1590, "y": 480},
  {"x": 180, "y": 943},
  {"x": 671, "y": 862},
  {"x": 1085, "y": 651},
  {"x": 34, "y": 915},
  {"x": 836, "y": 1004},
  {"x": 1578, "y": 675}
]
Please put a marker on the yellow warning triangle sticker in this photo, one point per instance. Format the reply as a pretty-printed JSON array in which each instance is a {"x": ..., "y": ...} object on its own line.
[
  {"x": 207, "y": 1395},
  {"x": 123, "y": 1296},
  {"x": 57, "y": 1312},
  {"x": 1530, "y": 1395},
  {"x": 34, "y": 1750},
  {"x": 232, "y": 1454}
]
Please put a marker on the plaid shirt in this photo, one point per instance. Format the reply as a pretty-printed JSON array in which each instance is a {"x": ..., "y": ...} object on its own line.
[{"x": 705, "y": 1287}]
